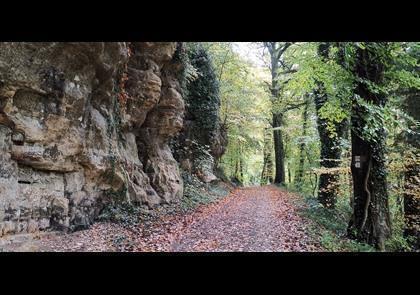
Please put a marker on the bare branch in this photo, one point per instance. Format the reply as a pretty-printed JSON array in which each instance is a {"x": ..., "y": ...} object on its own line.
[
  {"x": 287, "y": 72},
  {"x": 295, "y": 106},
  {"x": 283, "y": 49}
]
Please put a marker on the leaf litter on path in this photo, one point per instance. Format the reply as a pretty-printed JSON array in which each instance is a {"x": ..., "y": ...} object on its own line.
[{"x": 255, "y": 219}]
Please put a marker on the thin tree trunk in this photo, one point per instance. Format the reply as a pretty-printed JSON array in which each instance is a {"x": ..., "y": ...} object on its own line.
[
  {"x": 236, "y": 173},
  {"x": 241, "y": 169},
  {"x": 263, "y": 180},
  {"x": 299, "y": 175},
  {"x": 330, "y": 144}
]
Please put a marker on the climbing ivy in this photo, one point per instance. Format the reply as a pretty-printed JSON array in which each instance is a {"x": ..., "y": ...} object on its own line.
[{"x": 203, "y": 97}]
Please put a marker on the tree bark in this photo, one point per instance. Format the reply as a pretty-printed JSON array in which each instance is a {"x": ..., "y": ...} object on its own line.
[
  {"x": 370, "y": 222},
  {"x": 329, "y": 144},
  {"x": 276, "y": 51},
  {"x": 267, "y": 171},
  {"x": 299, "y": 174},
  {"x": 278, "y": 149}
]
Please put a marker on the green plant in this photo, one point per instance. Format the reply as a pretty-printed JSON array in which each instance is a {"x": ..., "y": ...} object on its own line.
[{"x": 329, "y": 226}]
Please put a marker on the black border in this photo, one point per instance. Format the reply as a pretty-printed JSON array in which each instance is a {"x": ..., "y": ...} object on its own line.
[
  {"x": 214, "y": 21},
  {"x": 210, "y": 21}
]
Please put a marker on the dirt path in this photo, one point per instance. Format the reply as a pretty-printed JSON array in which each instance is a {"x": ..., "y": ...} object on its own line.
[{"x": 257, "y": 219}]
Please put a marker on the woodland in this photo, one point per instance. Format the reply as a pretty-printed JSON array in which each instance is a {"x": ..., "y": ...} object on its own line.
[
  {"x": 335, "y": 122},
  {"x": 215, "y": 146}
]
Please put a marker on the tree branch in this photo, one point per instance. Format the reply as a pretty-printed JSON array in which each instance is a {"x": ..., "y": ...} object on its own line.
[
  {"x": 287, "y": 72},
  {"x": 295, "y": 106}
]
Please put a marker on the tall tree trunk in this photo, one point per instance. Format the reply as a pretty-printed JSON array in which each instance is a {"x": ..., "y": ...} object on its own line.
[
  {"x": 370, "y": 222},
  {"x": 299, "y": 175},
  {"x": 278, "y": 149},
  {"x": 330, "y": 144},
  {"x": 277, "y": 50},
  {"x": 277, "y": 117},
  {"x": 412, "y": 175},
  {"x": 329, "y": 158}
]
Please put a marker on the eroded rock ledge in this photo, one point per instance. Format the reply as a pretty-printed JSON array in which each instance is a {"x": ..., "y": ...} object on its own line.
[{"x": 82, "y": 125}]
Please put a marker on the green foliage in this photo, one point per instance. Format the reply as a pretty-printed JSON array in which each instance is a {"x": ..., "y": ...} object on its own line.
[
  {"x": 202, "y": 97},
  {"x": 188, "y": 73},
  {"x": 196, "y": 193},
  {"x": 245, "y": 109},
  {"x": 247, "y": 106},
  {"x": 397, "y": 241},
  {"x": 334, "y": 113},
  {"x": 203, "y": 93},
  {"x": 336, "y": 81},
  {"x": 330, "y": 226}
]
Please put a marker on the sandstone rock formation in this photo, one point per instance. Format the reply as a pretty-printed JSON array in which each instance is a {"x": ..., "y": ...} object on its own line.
[{"x": 83, "y": 125}]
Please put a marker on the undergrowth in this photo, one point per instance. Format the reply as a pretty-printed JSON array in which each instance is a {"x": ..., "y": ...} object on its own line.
[
  {"x": 329, "y": 226},
  {"x": 196, "y": 193}
]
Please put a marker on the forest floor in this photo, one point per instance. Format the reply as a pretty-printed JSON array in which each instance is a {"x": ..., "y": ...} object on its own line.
[{"x": 255, "y": 219}]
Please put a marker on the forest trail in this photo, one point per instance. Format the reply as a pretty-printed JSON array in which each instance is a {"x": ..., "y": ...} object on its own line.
[{"x": 254, "y": 219}]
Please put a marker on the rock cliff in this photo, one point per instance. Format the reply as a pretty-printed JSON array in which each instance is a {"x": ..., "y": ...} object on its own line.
[{"x": 83, "y": 125}]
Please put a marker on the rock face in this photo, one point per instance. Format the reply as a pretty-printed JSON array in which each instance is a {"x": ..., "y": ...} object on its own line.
[{"x": 83, "y": 125}]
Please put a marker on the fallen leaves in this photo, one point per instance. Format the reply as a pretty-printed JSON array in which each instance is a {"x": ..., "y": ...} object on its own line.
[{"x": 257, "y": 219}]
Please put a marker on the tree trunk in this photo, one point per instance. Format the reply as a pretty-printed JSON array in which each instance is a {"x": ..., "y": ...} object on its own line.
[
  {"x": 277, "y": 117},
  {"x": 263, "y": 179},
  {"x": 267, "y": 171},
  {"x": 299, "y": 174},
  {"x": 241, "y": 169},
  {"x": 370, "y": 222},
  {"x": 330, "y": 157},
  {"x": 412, "y": 175},
  {"x": 278, "y": 149},
  {"x": 330, "y": 144},
  {"x": 236, "y": 173}
]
